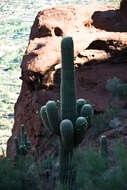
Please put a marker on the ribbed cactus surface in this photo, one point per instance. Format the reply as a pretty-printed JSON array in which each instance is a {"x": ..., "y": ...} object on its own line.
[
  {"x": 68, "y": 86},
  {"x": 70, "y": 120}
]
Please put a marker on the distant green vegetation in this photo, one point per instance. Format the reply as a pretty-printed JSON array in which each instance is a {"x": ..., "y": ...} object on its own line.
[{"x": 16, "y": 20}]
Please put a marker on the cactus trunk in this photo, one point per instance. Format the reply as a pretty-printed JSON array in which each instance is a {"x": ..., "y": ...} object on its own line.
[
  {"x": 68, "y": 86},
  {"x": 68, "y": 110},
  {"x": 67, "y": 169}
]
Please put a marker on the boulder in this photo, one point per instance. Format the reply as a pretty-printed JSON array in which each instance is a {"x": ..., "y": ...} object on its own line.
[{"x": 100, "y": 54}]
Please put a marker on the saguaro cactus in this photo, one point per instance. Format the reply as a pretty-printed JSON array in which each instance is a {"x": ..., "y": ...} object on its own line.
[
  {"x": 70, "y": 120},
  {"x": 24, "y": 148},
  {"x": 104, "y": 147}
]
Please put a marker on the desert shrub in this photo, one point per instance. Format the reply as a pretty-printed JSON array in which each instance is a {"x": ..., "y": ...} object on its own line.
[
  {"x": 95, "y": 174},
  {"x": 116, "y": 87},
  {"x": 49, "y": 171},
  {"x": 100, "y": 122},
  {"x": 17, "y": 174}
]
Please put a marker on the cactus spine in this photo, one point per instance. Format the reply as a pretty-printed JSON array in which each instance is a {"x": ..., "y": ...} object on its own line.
[{"x": 70, "y": 121}]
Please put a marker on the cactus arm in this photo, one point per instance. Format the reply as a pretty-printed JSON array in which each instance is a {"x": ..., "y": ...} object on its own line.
[
  {"x": 87, "y": 112},
  {"x": 25, "y": 138},
  {"x": 67, "y": 134},
  {"x": 44, "y": 118},
  {"x": 27, "y": 143},
  {"x": 80, "y": 102},
  {"x": 22, "y": 135},
  {"x": 80, "y": 129},
  {"x": 104, "y": 149},
  {"x": 67, "y": 167},
  {"x": 53, "y": 116},
  {"x": 16, "y": 145},
  {"x": 68, "y": 89}
]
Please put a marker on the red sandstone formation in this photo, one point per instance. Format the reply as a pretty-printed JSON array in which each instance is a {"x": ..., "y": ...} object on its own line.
[{"x": 99, "y": 36}]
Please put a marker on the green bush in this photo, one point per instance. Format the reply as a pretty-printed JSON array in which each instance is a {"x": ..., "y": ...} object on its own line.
[
  {"x": 116, "y": 87},
  {"x": 95, "y": 174},
  {"x": 17, "y": 174},
  {"x": 100, "y": 122}
]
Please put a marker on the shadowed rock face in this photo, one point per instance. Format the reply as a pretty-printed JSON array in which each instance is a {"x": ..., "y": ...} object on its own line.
[
  {"x": 123, "y": 11},
  {"x": 100, "y": 54}
]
